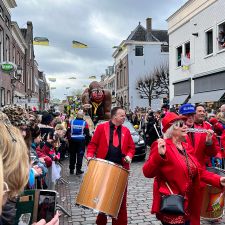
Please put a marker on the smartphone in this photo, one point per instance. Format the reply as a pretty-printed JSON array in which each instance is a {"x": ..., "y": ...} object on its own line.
[{"x": 46, "y": 205}]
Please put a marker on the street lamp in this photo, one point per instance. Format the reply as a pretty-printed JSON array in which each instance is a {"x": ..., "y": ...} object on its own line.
[{"x": 14, "y": 79}]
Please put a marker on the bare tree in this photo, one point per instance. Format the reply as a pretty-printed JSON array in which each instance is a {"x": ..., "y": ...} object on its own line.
[
  {"x": 154, "y": 84},
  {"x": 161, "y": 85},
  {"x": 145, "y": 87}
]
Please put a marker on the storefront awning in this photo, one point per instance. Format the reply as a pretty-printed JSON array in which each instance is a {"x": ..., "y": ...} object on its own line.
[
  {"x": 180, "y": 99},
  {"x": 210, "y": 96}
]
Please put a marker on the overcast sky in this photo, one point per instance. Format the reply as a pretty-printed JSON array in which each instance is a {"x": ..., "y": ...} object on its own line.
[{"x": 101, "y": 24}]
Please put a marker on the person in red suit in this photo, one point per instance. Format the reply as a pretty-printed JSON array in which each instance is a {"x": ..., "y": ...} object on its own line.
[
  {"x": 103, "y": 145},
  {"x": 172, "y": 160},
  {"x": 205, "y": 145}
]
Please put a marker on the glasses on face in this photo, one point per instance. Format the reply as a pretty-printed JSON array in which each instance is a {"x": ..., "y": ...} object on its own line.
[
  {"x": 5, "y": 188},
  {"x": 179, "y": 124}
]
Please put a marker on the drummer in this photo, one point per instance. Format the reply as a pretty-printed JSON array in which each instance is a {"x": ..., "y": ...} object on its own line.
[
  {"x": 205, "y": 145},
  {"x": 113, "y": 142}
]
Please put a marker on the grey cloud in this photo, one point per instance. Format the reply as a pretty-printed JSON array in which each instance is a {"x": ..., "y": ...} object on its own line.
[{"x": 100, "y": 24}]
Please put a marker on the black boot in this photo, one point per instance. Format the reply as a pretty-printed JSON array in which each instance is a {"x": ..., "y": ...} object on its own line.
[
  {"x": 71, "y": 171},
  {"x": 79, "y": 172}
]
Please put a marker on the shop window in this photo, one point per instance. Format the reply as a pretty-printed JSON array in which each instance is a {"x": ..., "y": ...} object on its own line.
[
  {"x": 179, "y": 56},
  {"x": 139, "y": 51},
  {"x": 209, "y": 42},
  {"x": 221, "y": 36}
]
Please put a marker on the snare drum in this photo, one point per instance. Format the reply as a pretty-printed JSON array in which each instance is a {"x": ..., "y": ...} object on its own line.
[
  {"x": 103, "y": 187},
  {"x": 213, "y": 199}
]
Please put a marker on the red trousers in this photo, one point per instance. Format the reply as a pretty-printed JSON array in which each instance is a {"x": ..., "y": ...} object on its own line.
[{"x": 122, "y": 216}]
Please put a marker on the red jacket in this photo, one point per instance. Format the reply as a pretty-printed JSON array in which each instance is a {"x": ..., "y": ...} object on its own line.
[
  {"x": 202, "y": 151},
  {"x": 99, "y": 144},
  {"x": 173, "y": 169}
]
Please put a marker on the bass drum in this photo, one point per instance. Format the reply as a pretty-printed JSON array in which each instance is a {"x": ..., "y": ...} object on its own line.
[
  {"x": 213, "y": 199},
  {"x": 103, "y": 187}
]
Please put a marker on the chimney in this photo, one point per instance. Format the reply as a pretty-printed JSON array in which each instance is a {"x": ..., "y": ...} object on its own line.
[
  {"x": 149, "y": 29},
  {"x": 149, "y": 25}
]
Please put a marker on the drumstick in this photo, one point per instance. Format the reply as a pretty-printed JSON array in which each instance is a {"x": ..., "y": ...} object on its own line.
[{"x": 156, "y": 130}]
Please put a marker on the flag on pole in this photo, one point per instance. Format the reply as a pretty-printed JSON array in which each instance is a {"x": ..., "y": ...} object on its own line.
[
  {"x": 52, "y": 79},
  {"x": 77, "y": 44},
  {"x": 92, "y": 77},
  {"x": 41, "y": 41}
]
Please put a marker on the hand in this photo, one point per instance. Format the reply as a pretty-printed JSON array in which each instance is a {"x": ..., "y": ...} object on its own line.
[
  {"x": 38, "y": 170},
  {"x": 222, "y": 181},
  {"x": 209, "y": 136},
  {"x": 161, "y": 146},
  {"x": 54, "y": 221},
  {"x": 127, "y": 159},
  {"x": 42, "y": 160}
]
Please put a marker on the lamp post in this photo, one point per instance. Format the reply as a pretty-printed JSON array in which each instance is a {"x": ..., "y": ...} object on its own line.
[{"x": 14, "y": 79}]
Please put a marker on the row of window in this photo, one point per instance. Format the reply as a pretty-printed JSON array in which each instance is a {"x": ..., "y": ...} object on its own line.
[
  {"x": 139, "y": 50},
  {"x": 183, "y": 51},
  {"x": 121, "y": 78}
]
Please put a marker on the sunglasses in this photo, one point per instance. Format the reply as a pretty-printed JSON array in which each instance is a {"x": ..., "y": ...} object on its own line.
[{"x": 179, "y": 124}]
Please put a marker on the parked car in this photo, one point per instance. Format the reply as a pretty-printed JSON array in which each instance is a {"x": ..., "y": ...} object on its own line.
[{"x": 140, "y": 146}]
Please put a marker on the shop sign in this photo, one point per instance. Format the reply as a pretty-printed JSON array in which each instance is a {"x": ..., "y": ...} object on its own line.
[{"x": 8, "y": 67}]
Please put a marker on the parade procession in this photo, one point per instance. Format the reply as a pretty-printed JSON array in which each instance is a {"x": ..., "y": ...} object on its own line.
[{"x": 112, "y": 112}]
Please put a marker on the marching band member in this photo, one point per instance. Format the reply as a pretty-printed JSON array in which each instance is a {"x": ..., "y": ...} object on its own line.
[
  {"x": 205, "y": 145},
  {"x": 113, "y": 142},
  {"x": 172, "y": 164}
]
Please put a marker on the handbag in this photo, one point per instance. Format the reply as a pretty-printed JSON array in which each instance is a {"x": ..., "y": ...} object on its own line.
[{"x": 172, "y": 204}]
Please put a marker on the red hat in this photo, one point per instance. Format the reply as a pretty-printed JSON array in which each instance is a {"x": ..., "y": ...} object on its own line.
[{"x": 168, "y": 120}]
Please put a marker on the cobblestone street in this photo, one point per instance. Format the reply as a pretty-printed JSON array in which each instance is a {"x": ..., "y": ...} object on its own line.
[{"x": 139, "y": 199}]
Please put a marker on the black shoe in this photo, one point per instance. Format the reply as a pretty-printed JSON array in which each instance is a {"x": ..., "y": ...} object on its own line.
[
  {"x": 79, "y": 172},
  {"x": 71, "y": 171}
]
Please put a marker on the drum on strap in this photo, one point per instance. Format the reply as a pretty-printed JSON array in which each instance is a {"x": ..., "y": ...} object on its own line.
[
  {"x": 103, "y": 187},
  {"x": 213, "y": 199}
]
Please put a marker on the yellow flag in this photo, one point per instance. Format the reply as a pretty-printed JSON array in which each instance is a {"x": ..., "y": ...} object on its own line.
[
  {"x": 77, "y": 44},
  {"x": 41, "y": 41}
]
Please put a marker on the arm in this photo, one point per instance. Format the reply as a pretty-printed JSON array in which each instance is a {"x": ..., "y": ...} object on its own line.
[
  {"x": 131, "y": 146},
  {"x": 94, "y": 143},
  {"x": 151, "y": 167},
  {"x": 107, "y": 104},
  {"x": 209, "y": 178},
  {"x": 212, "y": 149}
]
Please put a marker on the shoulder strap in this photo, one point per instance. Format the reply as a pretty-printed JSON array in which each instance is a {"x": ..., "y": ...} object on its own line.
[{"x": 169, "y": 188}]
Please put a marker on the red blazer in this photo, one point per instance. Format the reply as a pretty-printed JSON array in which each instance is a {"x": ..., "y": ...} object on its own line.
[
  {"x": 173, "y": 169},
  {"x": 202, "y": 152},
  {"x": 99, "y": 144}
]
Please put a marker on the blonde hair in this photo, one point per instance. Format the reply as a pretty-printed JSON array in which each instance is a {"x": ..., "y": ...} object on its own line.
[
  {"x": 15, "y": 158},
  {"x": 1, "y": 184}
]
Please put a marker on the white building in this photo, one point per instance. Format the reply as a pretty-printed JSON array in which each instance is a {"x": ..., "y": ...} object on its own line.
[
  {"x": 136, "y": 57},
  {"x": 109, "y": 82},
  {"x": 197, "y": 58}
]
